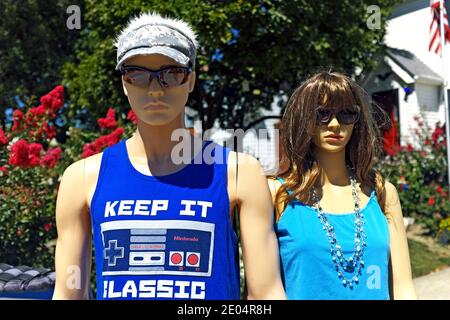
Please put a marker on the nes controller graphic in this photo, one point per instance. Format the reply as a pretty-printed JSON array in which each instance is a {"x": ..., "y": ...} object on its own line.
[{"x": 141, "y": 247}]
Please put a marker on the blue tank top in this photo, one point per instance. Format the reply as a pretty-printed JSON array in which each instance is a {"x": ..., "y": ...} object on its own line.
[
  {"x": 164, "y": 237},
  {"x": 308, "y": 272}
]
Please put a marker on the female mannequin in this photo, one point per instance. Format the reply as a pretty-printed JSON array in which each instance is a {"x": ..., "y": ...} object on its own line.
[{"x": 336, "y": 233}]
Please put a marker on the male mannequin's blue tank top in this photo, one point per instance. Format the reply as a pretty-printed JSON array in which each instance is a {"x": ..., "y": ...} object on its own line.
[
  {"x": 164, "y": 237},
  {"x": 308, "y": 272}
]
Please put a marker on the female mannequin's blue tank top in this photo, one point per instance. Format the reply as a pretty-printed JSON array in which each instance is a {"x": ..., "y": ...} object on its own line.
[
  {"x": 164, "y": 237},
  {"x": 308, "y": 271}
]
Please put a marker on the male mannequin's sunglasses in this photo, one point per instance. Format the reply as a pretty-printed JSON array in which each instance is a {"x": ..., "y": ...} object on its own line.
[
  {"x": 167, "y": 77},
  {"x": 324, "y": 116}
]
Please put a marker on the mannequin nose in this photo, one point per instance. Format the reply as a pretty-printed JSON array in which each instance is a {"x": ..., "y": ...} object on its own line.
[
  {"x": 334, "y": 123},
  {"x": 155, "y": 89}
]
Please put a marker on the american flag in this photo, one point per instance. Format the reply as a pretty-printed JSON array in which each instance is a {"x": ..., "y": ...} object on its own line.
[{"x": 435, "y": 31}]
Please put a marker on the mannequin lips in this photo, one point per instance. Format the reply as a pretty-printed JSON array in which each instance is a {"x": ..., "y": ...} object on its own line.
[
  {"x": 157, "y": 105},
  {"x": 334, "y": 137}
]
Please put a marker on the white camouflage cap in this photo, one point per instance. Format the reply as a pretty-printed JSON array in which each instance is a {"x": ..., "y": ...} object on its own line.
[{"x": 152, "y": 34}]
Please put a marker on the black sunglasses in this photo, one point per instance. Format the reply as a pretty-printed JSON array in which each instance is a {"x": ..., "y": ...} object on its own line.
[
  {"x": 324, "y": 116},
  {"x": 167, "y": 77}
]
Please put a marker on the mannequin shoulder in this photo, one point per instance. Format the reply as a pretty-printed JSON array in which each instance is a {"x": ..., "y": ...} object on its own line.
[
  {"x": 247, "y": 170},
  {"x": 84, "y": 167},
  {"x": 274, "y": 186},
  {"x": 392, "y": 198},
  {"x": 92, "y": 165},
  {"x": 83, "y": 173},
  {"x": 243, "y": 164}
]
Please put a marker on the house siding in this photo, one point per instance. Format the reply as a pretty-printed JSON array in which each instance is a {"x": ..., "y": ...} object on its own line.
[{"x": 408, "y": 29}]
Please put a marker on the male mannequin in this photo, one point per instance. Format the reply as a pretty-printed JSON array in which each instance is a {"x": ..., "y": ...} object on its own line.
[{"x": 151, "y": 42}]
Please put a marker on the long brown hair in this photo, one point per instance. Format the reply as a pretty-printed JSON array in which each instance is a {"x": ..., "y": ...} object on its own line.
[{"x": 333, "y": 90}]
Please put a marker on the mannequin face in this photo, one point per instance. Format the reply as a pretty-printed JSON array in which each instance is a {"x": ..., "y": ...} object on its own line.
[
  {"x": 332, "y": 137},
  {"x": 157, "y": 106}
]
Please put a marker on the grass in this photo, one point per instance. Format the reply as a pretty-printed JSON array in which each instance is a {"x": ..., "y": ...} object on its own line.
[{"x": 424, "y": 260}]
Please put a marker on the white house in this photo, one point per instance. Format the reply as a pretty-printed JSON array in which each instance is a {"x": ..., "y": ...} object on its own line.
[
  {"x": 260, "y": 138},
  {"x": 408, "y": 80}
]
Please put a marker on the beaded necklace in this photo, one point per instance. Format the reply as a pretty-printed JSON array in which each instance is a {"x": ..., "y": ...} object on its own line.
[{"x": 355, "y": 263}]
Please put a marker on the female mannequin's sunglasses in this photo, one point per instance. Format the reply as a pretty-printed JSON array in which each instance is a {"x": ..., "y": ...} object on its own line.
[
  {"x": 167, "y": 77},
  {"x": 324, "y": 116}
]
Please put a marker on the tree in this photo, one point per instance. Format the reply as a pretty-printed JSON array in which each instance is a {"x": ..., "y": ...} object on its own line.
[
  {"x": 34, "y": 42},
  {"x": 250, "y": 51}
]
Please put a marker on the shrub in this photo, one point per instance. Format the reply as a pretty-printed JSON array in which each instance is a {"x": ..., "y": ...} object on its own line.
[
  {"x": 32, "y": 162},
  {"x": 420, "y": 174}
]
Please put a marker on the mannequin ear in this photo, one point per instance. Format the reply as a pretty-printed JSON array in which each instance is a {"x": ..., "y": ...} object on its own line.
[
  {"x": 191, "y": 81},
  {"x": 124, "y": 87}
]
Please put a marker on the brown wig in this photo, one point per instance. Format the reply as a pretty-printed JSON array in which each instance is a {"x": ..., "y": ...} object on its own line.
[{"x": 336, "y": 91}]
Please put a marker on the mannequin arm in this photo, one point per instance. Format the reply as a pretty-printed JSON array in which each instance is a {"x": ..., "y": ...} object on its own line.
[
  {"x": 258, "y": 239},
  {"x": 73, "y": 247},
  {"x": 401, "y": 265}
]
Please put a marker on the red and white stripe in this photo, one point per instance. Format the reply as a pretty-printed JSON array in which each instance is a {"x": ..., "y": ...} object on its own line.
[{"x": 435, "y": 31}]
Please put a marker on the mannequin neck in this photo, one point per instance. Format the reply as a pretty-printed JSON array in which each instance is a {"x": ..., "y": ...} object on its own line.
[
  {"x": 333, "y": 168},
  {"x": 155, "y": 142}
]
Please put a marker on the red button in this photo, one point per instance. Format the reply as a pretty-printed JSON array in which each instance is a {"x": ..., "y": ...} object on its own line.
[
  {"x": 175, "y": 258},
  {"x": 193, "y": 259}
]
